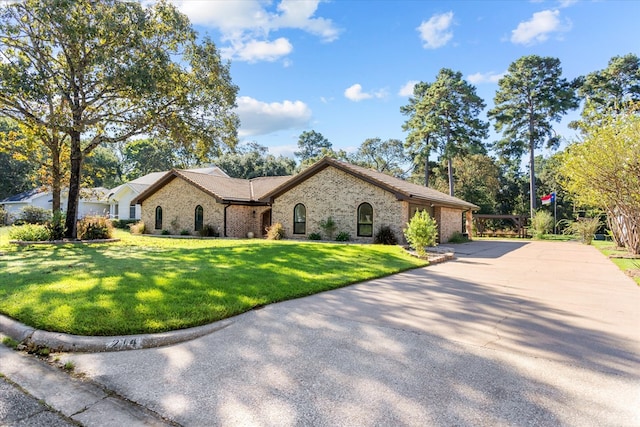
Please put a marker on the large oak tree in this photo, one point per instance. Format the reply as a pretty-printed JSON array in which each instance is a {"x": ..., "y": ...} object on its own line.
[{"x": 113, "y": 70}]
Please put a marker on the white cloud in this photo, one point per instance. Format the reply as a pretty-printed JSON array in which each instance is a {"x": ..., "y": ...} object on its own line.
[
  {"x": 355, "y": 93},
  {"x": 248, "y": 23},
  {"x": 435, "y": 32},
  {"x": 484, "y": 77},
  {"x": 261, "y": 118},
  {"x": 407, "y": 89},
  {"x": 567, "y": 3},
  {"x": 254, "y": 51},
  {"x": 538, "y": 28}
]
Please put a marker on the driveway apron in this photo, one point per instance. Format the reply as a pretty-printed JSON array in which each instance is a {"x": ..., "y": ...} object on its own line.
[{"x": 509, "y": 333}]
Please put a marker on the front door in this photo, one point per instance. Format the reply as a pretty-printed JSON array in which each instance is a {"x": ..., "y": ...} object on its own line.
[{"x": 266, "y": 221}]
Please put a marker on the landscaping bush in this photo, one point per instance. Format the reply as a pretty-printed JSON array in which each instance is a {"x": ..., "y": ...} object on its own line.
[
  {"x": 56, "y": 227},
  {"x": 421, "y": 232},
  {"x": 541, "y": 224},
  {"x": 343, "y": 236},
  {"x": 165, "y": 232},
  {"x": 30, "y": 233},
  {"x": 583, "y": 229},
  {"x": 4, "y": 216},
  {"x": 138, "y": 228},
  {"x": 385, "y": 236},
  {"x": 458, "y": 237},
  {"x": 185, "y": 232},
  {"x": 275, "y": 232},
  {"x": 329, "y": 226},
  {"x": 123, "y": 223},
  {"x": 314, "y": 236},
  {"x": 94, "y": 227},
  {"x": 209, "y": 230},
  {"x": 34, "y": 215}
]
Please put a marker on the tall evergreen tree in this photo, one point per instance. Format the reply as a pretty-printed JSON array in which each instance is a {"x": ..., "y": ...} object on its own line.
[{"x": 530, "y": 97}]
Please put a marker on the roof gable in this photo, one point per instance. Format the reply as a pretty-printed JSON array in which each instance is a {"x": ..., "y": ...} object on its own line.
[{"x": 403, "y": 190}]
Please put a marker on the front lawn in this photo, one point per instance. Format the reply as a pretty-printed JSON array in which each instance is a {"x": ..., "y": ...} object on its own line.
[
  {"x": 621, "y": 258},
  {"x": 147, "y": 284}
]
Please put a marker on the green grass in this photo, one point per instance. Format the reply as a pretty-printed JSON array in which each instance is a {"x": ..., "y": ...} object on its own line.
[
  {"x": 624, "y": 264},
  {"x": 146, "y": 284}
]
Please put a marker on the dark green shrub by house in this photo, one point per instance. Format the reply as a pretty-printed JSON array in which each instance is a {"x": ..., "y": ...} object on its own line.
[
  {"x": 421, "y": 232},
  {"x": 94, "y": 227},
  {"x": 55, "y": 226},
  {"x": 34, "y": 215},
  {"x": 29, "y": 233},
  {"x": 385, "y": 236},
  {"x": 343, "y": 236},
  {"x": 315, "y": 236}
]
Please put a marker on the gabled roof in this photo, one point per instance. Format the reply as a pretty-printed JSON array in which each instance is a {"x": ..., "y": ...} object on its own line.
[
  {"x": 24, "y": 197},
  {"x": 140, "y": 184},
  {"x": 403, "y": 190},
  {"x": 223, "y": 188}
]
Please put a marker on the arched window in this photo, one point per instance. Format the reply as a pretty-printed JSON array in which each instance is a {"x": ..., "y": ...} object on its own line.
[
  {"x": 365, "y": 220},
  {"x": 158, "y": 218},
  {"x": 199, "y": 218},
  {"x": 299, "y": 219}
]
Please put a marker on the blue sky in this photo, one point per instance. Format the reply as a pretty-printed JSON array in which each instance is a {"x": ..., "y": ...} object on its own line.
[{"x": 345, "y": 67}]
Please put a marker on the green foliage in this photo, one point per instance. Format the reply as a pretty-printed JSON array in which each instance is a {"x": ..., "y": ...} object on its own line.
[
  {"x": 185, "y": 232},
  {"x": 458, "y": 237},
  {"x": 10, "y": 342},
  {"x": 421, "y": 231},
  {"x": 275, "y": 232},
  {"x": 385, "y": 236},
  {"x": 165, "y": 232},
  {"x": 138, "y": 228},
  {"x": 310, "y": 146},
  {"x": 329, "y": 227},
  {"x": 3, "y": 216},
  {"x": 94, "y": 227},
  {"x": 30, "y": 233},
  {"x": 56, "y": 226},
  {"x": 343, "y": 236},
  {"x": 123, "y": 224},
  {"x": 34, "y": 215},
  {"x": 583, "y": 229},
  {"x": 384, "y": 156},
  {"x": 208, "y": 230},
  {"x": 314, "y": 236},
  {"x": 253, "y": 160},
  {"x": 541, "y": 224},
  {"x": 603, "y": 171}
]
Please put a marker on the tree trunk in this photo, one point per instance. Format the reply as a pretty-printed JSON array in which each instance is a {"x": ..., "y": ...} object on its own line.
[
  {"x": 532, "y": 172},
  {"x": 426, "y": 170},
  {"x": 74, "y": 186},
  {"x": 450, "y": 167},
  {"x": 56, "y": 175}
]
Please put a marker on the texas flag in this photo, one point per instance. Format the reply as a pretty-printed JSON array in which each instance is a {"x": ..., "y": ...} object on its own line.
[{"x": 548, "y": 199}]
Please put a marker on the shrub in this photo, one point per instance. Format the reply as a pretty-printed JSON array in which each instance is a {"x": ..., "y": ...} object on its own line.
[
  {"x": 583, "y": 229},
  {"x": 329, "y": 226},
  {"x": 185, "y": 232},
  {"x": 275, "y": 232},
  {"x": 4, "y": 216},
  {"x": 123, "y": 223},
  {"x": 138, "y": 228},
  {"x": 421, "y": 232},
  {"x": 34, "y": 215},
  {"x": 385, "y": 236},
  {"x": 209, "y": 230},
  {"x": 458, "y": 237},
  {"x": 314, "y": 236},
  {"x": 94, "y": 227},
  {"x": 56, "y": 226},
  {"x": 30, "y": 233},
  {"x": 165, "y": 232},
  {"x": 541, "y": 224},
  {"x": 343, "y": 236}
]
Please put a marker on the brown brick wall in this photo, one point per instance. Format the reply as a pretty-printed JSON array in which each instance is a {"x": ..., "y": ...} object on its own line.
[
  {"x": 244, "y": 219},
  {"x": 449, "y": 221},
  {"x": 335, "y": 193},
  {"x": 178, "y": 200}
]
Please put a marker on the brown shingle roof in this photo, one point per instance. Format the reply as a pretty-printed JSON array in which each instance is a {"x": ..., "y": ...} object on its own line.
[{"x": 402, "y": 189}]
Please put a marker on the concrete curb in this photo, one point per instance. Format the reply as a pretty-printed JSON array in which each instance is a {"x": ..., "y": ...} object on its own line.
[{"x": 56, "y": 341}]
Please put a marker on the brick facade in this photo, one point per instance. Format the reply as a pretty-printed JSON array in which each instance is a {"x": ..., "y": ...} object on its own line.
[
  {"x": 449, "y": 221},
  {"x": 332, "y": 192},
  {"x": 178, "y": 200}
]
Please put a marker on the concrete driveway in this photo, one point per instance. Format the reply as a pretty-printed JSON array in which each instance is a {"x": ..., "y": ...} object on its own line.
[{"x": 508, "y": 334}]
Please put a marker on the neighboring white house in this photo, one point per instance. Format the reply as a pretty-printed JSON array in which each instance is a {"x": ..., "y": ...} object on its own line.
[
  {"x": 93, "y": 201},
  {"x": 120, "y": 198}
]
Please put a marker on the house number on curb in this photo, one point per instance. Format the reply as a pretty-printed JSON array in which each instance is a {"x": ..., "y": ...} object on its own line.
[{"x": 123, "y": 343}]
